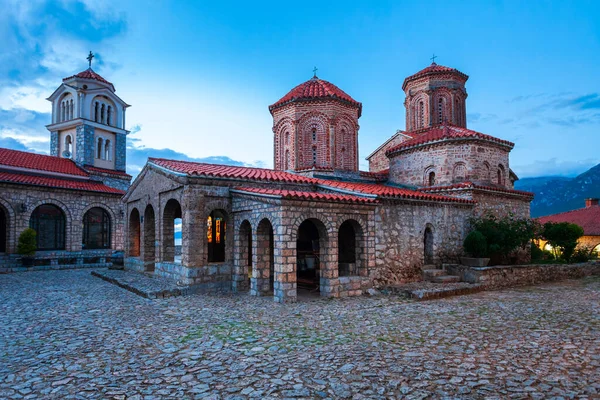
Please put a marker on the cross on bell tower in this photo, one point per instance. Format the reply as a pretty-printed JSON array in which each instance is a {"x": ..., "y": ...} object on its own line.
[{"x": 90, "y": 57}]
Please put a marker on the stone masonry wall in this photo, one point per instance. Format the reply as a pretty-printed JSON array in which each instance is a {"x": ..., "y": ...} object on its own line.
[
  {"x": 19, "y": 202},
  {"x": 500, "y": 204},
  {"x": 84, "y": 143},
  {"x": 399, "y": 237},
  {"x": 379, "y": 161}
]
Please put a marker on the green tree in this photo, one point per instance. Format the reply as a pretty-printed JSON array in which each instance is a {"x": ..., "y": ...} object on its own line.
[
  {"x": 476, "y": 245},
  {"x": 27, "y": 244},
  {"x": 562, "y": 236}
]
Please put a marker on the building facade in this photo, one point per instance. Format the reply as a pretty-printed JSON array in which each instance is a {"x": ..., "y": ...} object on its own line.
[
  {"x": 72, "y": 198},
  {"x": 316, "y": 222}
]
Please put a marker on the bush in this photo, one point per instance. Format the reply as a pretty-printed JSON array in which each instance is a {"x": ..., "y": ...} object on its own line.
[
  {"x": 475, "y": 245},
  {"x": 582, "y": 254},
  {"x": 27, "y": 244},
  {"x": 538, "y": 254},
  {"x": 562, "y": 236}
]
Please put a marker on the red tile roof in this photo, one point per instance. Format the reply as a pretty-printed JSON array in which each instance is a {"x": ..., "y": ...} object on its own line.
[
  {"x": 588, "y": 218},
  {"x": 433, "y": 69},
  {"x": 442, "y": 133},
  {"x": 471, "y": 185},
  {"x": 85, "y": 185},
  {"x": 379, "y": 175},
  {"x": 39, "y": 162},
  {"x": 89, "y": 74},
  {"x": 106, "y": 171},
  {"x": 315, "y": 88},
  {"x": 389, "y": 191},
  {"x": 228, "y": 171},
  {"x": 307, "y": 195}
]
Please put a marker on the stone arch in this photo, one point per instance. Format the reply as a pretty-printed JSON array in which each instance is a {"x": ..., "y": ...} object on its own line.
[
  {"x": 345, "y": 143},
  {"x": 263, "y": 259},
  {"x": 459, "y": 172},
  {"x": 429, "y": 176},
  {"x": 134, "y": 233},
  {"x": 149, "y": 251},
  {"x": 107, "y": 236},
  {"x": 419, "y": 114},
  {"x": 7, "y": 227},
  {"x": 314, "y": 247},
  {"x": 68, "y": 218},
  {"x": 428, "y": 244},
  {"x": 486, "y": 171},
  {"x": 284, "y": 128},
  {"x": 113, "y": 220},
  {"x": 442, "y": 102},
  {"x": 352, "y": 248},
  {"x": 501, "y": 175},
  {"x": 170, "y": 213}
]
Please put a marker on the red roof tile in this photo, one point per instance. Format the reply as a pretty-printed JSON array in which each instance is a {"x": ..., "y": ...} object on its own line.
[
  {"x": 89, "y": 74},
  {"x": 307, "y": 195},
  {"x": 39, "y": 162},
  {"x": 228, "y": 171},
  {"x": 107, "y": 171},
  {"x": 84, "y": 185},
  {"x": 379, "y": 175},
  {"x": 433, "y": 69},
  {"x": 381, "y": 190},
  {"x": 315, "y": 88},
  {"x": 471, "y": 185},
  {"x": 588, "y": 218},
  {"x": 443, "y": 133}
]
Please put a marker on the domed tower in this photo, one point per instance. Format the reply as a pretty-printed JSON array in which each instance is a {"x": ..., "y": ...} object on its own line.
[
  {"x": 435, "y": 95},
  {"x": 315, "y": 127}
]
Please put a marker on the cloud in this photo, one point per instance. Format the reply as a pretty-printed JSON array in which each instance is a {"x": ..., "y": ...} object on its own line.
[
  {"x": 553, "y": 167},
  {"x": 479, "y": 117}
]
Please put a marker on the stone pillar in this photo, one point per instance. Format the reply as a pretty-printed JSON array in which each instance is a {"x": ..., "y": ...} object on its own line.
[
  {"x": 193, "y": 241},
  {"x": 54, "y": 145},
  {"x": 120, "y": 152},
  {"x": 84, "y": 145},
  {"x": 284, "y": 285},
  {"x": 239, "y": 280},
  {"x": 329, "y": 282},
  {"x": 261, "y": 264}
]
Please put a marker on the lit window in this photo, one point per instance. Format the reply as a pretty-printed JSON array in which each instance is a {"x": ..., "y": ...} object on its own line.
[{"x": 209, "y": 229}]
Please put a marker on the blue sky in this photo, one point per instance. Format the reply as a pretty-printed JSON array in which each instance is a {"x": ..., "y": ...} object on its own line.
[{"x": 200, "y": 75}]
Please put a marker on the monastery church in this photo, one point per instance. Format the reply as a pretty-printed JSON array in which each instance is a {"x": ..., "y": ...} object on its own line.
[{"x": 314, "y": 222}]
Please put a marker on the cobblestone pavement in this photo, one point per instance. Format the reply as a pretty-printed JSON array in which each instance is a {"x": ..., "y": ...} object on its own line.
[{"x": 66, "y": 334}]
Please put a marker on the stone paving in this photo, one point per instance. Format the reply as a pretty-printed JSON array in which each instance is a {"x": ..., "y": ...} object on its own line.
[{"x": 66, "y": 334}]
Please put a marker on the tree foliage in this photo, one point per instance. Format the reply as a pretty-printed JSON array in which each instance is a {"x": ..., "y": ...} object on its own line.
[
  {"x": 27, "y": 244},
  {"x": 562, "y": 236},
  {"x": 475, "y": 245}
]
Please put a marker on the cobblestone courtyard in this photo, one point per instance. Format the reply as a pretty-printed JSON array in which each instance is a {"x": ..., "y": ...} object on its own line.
[{"x": 66, "y": 334}]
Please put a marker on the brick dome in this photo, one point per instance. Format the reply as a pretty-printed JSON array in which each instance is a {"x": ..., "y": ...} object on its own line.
[
  {"x": 434, "y": 69},
  {"x": 314, "y": 89}
]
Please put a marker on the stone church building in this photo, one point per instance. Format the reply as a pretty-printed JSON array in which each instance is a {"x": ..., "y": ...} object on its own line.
[
  {"x": 72, "y": 198},
  {"x": 315, "y": 221}
]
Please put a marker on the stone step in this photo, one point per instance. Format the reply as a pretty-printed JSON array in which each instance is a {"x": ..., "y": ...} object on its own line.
[
  {"x": 431, "y": 273},
  {"x": 445, "y": 279}
]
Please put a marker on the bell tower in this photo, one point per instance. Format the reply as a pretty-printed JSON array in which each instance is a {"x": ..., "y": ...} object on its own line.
[
  {"x": 434, "y": 96},
  {"x": 88, "y": 121}
]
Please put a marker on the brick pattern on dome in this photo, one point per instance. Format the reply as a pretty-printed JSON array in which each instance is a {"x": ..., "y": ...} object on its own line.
[
  {"x": 88, "y": 74},
  {"x": 445, "y": 132},
  {"x": 432, "y": 70},
  {"x": 588, "y": 218},
  {"x": 315, "y": 88},
  {"x": 385, "y": 191},
  {"x": 471, "y": 185},
  {"x": 308, "y": 195},
  {"x": 90, "y": 186},
  {"x": 39, "y": 162},
  {"x": 227, "y": 171}
]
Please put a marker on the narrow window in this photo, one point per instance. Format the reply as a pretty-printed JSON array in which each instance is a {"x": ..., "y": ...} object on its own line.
[
  {"x": 99, "y": 148},
  {"x": 314, "y": 155},
  {"x": 96, "y": 111},
  {"x": 102, "y": 114},
  {"x": 421, "y": 114},
  {"x": 108, "y": 115},
  {"x": 71, "y": 109},
  {"x": 314, "y": 134},
  {"x": 431, "y": 178},
  {"x": 107, "y": 150},
  {"x": 68, "y": 145},
  {"x": 440, "y": 111}
]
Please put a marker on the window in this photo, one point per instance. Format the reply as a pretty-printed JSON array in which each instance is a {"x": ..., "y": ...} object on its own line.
[
  {"x": 287, "y": 138},
  {"x": 440, "y": 110},
  {"x": 215, "y": 236},
  {"x": 431, "y": 178},
  {"x": 71, "y": 107},
  {"x": 314, "y": 155},
  {"x": 68, "y": 151},
  {"x": 107, "y": 150},
  {"x": 421, "y": 114},
  {"x": 96, "y": 229},
  {"x": 99, "y": 145},
  {"x": 96, "y": 113},
  {"x": 48, "y": 221},
  {"x": 108, "y": 115},
  {"x": 314, "y": 134}
]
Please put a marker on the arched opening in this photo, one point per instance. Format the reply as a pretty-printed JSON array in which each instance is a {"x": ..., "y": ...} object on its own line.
[
  {"x": 428, "y": 245},
  {"x": 501, "y": 175},
  {"x": 109, "y": 115},
  {"x": 149, "y": 239},
  {"x": 99, "y": 145},
  {"x": 264, "y": 271},
  {"x": 421, "y": 114},
  {"x": 216, "y": 225},
  {"x": 308, "y": 255},
  {"x": 108, "y": 150},
  {"x": 596, "y": 251},
  {"x": 3, "y": 230},
  {"x": 49, "y": 222},
  {"x": 134, "y": 233},
  {"x": 459, "y": 173},
  {"x": 68, "y": 152},
  {"x": 96, "y": 112},
  {"x": 431, "y": 178},
  {"x": 96, "y": 229},
  {"x": 171, "y": 229},
  {"x": 350, "y": 249}
]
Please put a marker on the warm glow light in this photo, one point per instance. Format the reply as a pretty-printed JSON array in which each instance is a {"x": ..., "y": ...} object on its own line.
[
  {"x": 218, "y": 230},
  {"x": 209, "y": 229}
]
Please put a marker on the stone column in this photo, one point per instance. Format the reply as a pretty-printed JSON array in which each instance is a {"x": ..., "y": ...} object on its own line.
[
  {"x": 193, "y": 242},
  {"x": 239, "y": 279},
  {"x": 329, "y": 282},
  {"x": 284, "y": 285}
]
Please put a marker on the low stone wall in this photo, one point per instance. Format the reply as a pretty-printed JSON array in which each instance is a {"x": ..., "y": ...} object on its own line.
[
  {"x": 61, "y": 259},
  {"x": 504, "y": 276}
]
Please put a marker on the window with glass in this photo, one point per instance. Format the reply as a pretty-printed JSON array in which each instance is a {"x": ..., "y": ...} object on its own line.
[
  {"x": 96, "y": 229},
  {"x": 49, "y": 221}
]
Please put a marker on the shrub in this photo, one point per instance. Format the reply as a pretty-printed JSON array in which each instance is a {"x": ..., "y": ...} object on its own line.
[
  {"x": 582, "y": 254},
  {"x": 562, "y": 236},
  {"x": 476, "y": 245},
  {"x": 27, "y": 244}
]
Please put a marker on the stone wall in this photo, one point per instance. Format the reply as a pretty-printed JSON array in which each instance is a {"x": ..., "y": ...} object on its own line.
[
  {"x": 589, "y": 241},
  {"x": 19, "y": 202},
  {"x": 378, "y": 160},
  {"x": 452, "y": 162},
  {"x": 501, "y": 204},
  {"x": 499, "y": 277},
  {"x": 399, "y": 237}
]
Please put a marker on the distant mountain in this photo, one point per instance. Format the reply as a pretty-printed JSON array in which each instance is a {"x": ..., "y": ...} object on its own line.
[{"x": 555, "y": 194}]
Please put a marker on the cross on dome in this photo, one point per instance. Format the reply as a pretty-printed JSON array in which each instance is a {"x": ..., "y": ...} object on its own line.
[
  {"x": 433, "y": 58},
  {"x": 315, "y": 69},
  {"x": 89, "y": 58}
]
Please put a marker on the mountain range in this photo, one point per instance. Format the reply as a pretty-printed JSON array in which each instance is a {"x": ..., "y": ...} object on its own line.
[{"x": 555, "y": 194}]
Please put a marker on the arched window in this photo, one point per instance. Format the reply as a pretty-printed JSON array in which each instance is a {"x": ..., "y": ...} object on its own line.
[
  {"x": 428, "y": 246},
  {"x": 421, "y": 114},
  {"x": 500, "y": 179},
  {"x": 96, "y": 229},
  {"x": 134, "y": 233},
  {"x": 486, "y": 172},
  {"x": 314, "y": 134},
  {"x": 62, "y": 112},
  {"x": 68, "y": 146},
  {"x": 48, "y": 221},
  {"x": 96, "y": 113},
  {"x": 287, "y": 138},
  {"x": 215, "y": 236},
  {"x": 99, "y": 149},
  {"x": 460, "y": 172},
  {"x": 431, "y": 178},
  {"x": 314, "y": 155},
  {"x": 102, "y": 114},
  {"x": 440, "y": 110},
  {"x": 108, "y": 150},
  {"x": 287, "y": 160},
  {"x": 108, "y": 115},
  {"x": 71, "y": 108}
]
